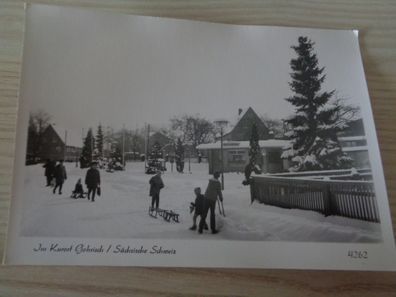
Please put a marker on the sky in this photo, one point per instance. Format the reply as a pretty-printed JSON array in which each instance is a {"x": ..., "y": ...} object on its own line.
[{"x": 84, "y": 67}]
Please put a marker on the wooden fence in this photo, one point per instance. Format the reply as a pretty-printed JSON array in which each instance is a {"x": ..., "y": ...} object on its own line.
[{"x": 354, "y": 199}]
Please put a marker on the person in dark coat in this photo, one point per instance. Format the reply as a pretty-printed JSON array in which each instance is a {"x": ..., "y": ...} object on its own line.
[
  {"x": 156, "y": 184},
  {"x": 92, "y": 180},
  {"x": 78, "y": 190},
  {"x": 199, "y": 206},
  {"x": 212, "y": 193},
  {"x": 60, "y": 176},
  {"x": 49, "y": 171}
]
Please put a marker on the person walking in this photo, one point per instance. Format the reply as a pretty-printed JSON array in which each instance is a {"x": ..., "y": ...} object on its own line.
[
  {"x": 156, "y": 184},
  {"x": 60, "y": 176},
  {"x": 49, "y": 171},
  {"x": 198, "y": 206},
  {"x": 212, "y": 193},
  {"x": 92, "y": 180}
]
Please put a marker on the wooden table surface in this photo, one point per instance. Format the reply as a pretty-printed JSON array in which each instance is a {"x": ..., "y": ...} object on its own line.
[{"x": 377, "y": 22}]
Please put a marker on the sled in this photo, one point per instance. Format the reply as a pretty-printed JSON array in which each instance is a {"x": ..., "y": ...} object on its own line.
[
  {"x": 75, "y": 196},
  {"x": 167, "y": 215}
]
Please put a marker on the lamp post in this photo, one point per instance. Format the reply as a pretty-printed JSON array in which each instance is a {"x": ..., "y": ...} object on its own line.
[{"x": 221, "y": 124}]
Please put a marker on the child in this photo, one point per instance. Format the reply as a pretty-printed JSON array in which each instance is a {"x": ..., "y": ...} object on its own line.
[
  {"x": 199, "y": 208},
  {"x": 78, "y": 190}
]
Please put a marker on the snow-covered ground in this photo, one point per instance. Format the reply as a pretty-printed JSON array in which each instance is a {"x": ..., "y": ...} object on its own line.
[{"x": 122, "y": 211}]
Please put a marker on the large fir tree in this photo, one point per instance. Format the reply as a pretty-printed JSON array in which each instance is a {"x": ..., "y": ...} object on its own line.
[
  {"x": 87, "y": 150},
  {"x": 314, "y": 126},
  {"x": 99, "y": 141}
]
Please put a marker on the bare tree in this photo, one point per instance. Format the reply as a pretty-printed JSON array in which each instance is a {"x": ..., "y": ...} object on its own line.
[
  {"x": 41, "y": 120},
  {"x": 274, "y": 125},
  {"x": 346, "y": 113},
  {"x": 38, "y": 122},
  {"x": 193, "y": 129}
]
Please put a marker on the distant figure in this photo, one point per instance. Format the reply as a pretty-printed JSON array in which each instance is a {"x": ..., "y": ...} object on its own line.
[
  {"x": 49, "y": 171},
  {"x": 78, "y": 190},
  {"x": 60, "y": 177},
  {"x": 199, "y": 207},
  {"x": 212, "y": 193},
  {"x": 199, "y": 157},
  {"x": 156, "y": 184},
  {"x": 92, "y": 180}
]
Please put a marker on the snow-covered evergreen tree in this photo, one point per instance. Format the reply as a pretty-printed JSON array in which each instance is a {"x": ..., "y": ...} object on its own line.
[
  {"x": 314, "y": 126},
  {"x": 99, "y": 141},
  {"x": 255, "y": 158},
  {"x": 87, "y": 150},
  {"x": 116, "y": 154},
  {"x": 156, "y": 152},
  {"x": 179, "y": 155}
]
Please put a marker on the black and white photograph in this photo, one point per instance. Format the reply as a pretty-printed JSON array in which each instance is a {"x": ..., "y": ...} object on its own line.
[{"x": 142, "y": 128}]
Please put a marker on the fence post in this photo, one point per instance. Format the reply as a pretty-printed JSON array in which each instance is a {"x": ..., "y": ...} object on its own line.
[{"x": 329, "y": 205}]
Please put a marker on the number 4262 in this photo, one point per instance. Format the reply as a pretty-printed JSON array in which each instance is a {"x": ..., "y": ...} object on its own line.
[{"x": 358, "y": 254}]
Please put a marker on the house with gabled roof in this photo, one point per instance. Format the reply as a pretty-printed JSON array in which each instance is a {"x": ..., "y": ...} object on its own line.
[
  {"x": 236, "y": 146},
  {"x": 58, "y": 143},
  {"x": 243, "y": 128}
]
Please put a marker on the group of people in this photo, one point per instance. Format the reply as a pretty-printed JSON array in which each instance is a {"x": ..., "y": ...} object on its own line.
[
  {"x": 202, "y": 205},
  {"x": 56, "y": 176},
  {"x": 207, "y": 202}
]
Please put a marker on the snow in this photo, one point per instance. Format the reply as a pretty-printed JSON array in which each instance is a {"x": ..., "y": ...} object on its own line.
[
  {"x": 269, "y": 143},
  {"x": 351, "y": 138},
  {"x": 355, "y": 148},
  {"x": 311, "y": 159},
  {"x": 122, "y": 211}
]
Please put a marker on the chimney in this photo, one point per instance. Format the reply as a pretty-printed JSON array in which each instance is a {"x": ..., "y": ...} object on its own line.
[{"x": 239, "y": 111}]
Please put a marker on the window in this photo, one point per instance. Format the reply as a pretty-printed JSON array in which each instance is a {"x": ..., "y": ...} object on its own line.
[{"x": 237, "y": 156}]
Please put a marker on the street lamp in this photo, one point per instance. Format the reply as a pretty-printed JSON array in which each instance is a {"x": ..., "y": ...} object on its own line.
[{"x": 221, "y": 124}]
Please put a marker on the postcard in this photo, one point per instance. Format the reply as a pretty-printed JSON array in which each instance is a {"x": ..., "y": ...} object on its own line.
[{"x": 146, "y": 141}]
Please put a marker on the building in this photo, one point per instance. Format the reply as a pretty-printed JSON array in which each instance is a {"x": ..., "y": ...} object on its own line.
[
  {"x": 236, "y": 155},
  {"x": 236, "y": 147},
  {"x": 60, "y": 144},
  {"x": 354, "y": 143}
]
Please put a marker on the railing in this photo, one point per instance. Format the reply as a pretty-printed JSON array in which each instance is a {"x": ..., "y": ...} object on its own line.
[{"x": 354, "y": 199}]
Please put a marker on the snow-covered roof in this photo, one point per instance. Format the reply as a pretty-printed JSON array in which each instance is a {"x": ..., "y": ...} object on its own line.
[
  {"x": 73, "y": 138},
  {"x": 269, "y": 143}
]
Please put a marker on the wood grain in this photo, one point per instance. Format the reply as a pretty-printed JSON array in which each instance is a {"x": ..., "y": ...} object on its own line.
[{"x": 377, "y": 22}]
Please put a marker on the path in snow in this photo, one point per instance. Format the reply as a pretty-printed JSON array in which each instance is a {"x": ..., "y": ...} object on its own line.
[{"x": 122, "y": 211}]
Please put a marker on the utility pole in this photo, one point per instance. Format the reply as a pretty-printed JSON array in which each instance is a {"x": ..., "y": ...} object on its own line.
[
  {"x": 123, "y": 146},
  {"x": 64, "y": 151},
  {"x": 222, "y": 124}
]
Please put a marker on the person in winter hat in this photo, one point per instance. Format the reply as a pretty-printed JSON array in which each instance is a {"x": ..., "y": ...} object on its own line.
[
  {"x": 156, "y": 184},
  {"x": 92, "y": 180},
  {"x": 199, "y": 206},
  {"x": 212, "y": 193},
  {"x": 60, "y": 176}
]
